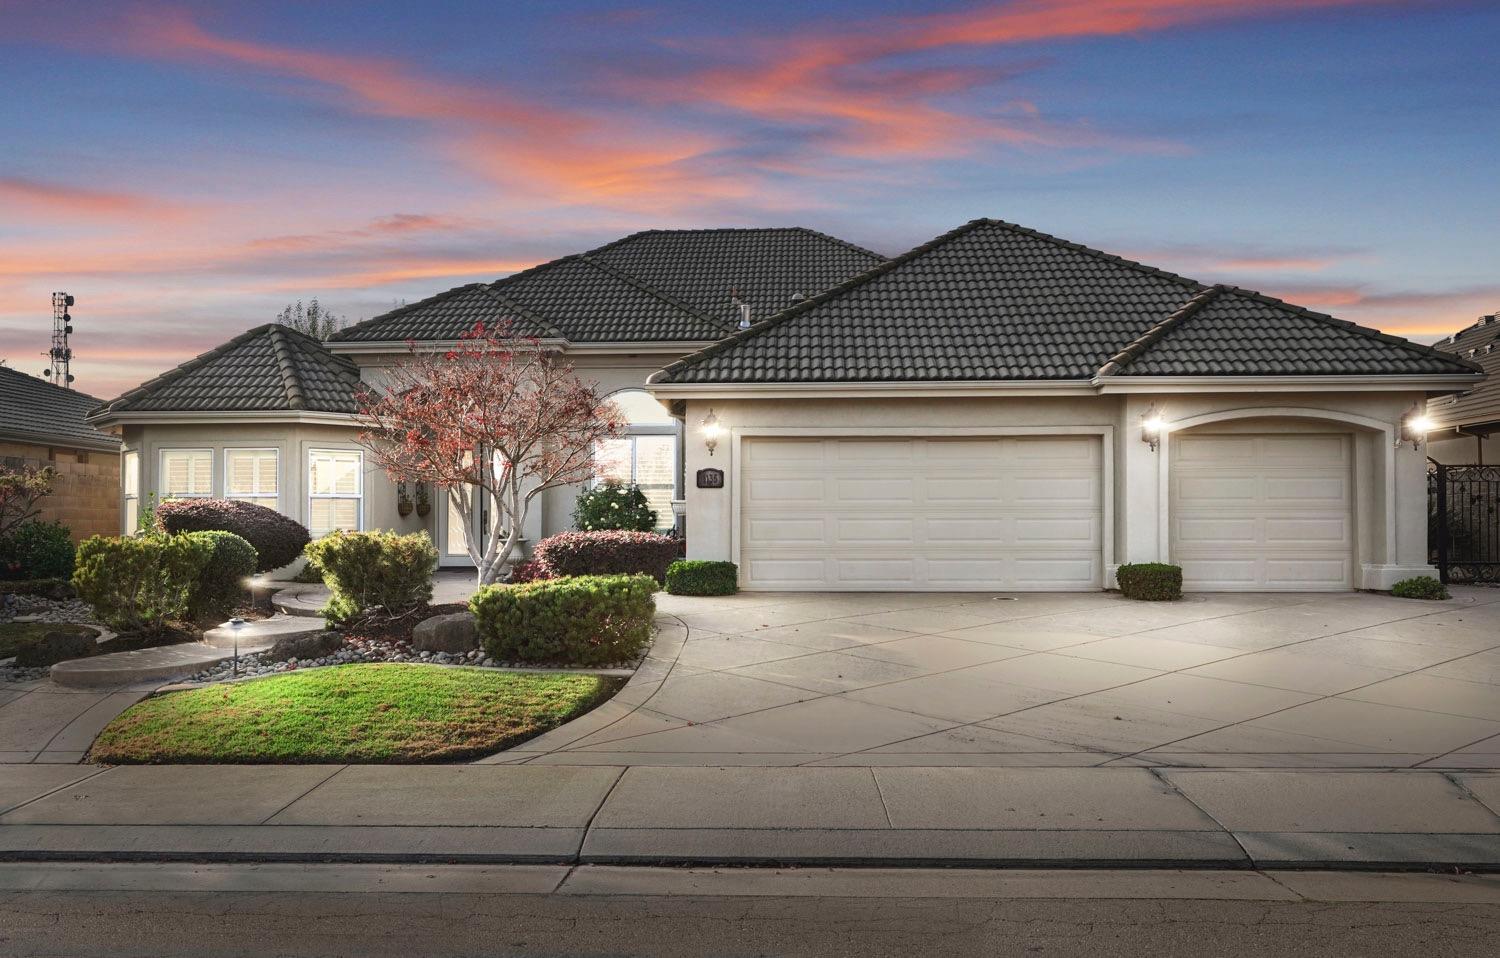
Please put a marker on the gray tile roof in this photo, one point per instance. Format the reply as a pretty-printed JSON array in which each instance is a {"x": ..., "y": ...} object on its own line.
[
  {"x": 657, "y": 285},
  {"x": 995, "y": 301},
  {"x": 269, "y": 368},
  {"x": 33, "y": 410},
  {"x": 1480, "y": 406}
]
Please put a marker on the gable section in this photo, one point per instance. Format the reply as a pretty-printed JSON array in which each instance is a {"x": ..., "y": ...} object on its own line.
[
  {"x": 988, "y": 301},
  {"x": 1240, "y": 333}
]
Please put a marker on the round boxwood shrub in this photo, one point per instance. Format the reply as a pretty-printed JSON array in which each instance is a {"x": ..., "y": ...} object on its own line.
[
  {"x": 139, "y": 583},
  {"x": 702, "y": 577},
  {"x": 608, "y": 553},
  {"x": 37, "y": 550},
  {"x": 1420, "y": 587},
  {"x": 221, "y": 579},
  {"x": 614, "y": 506},
  {"x": 374, "y": 570},
  {"x": 277, "y": 539},
  {"x": 1150, "y": 581},
  {"x": 578, "y": 620}
]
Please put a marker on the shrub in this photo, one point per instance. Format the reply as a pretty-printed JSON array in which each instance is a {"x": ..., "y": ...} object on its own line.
[
  {"x": 529, "y": 570},
  {"x": 137, "y": 584},
  {"x": 221, "y": 580},
  {"x": 1420, "y": 587},
  {"x": 1150, "y": 581},
  {"x": 581, "y": 620},
  {"x": 608, "y": 553},
  {"x": 370, "y": 570},
  {"x": 277, "y": 539},
  {"x": 37, "y": 550},
  {"x": 700, "y": 577},
  {"x": 614, "y": 506}
]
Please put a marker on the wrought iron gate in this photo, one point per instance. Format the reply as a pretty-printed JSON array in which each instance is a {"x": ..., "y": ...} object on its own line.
[{"x": 1463, "y": 521}]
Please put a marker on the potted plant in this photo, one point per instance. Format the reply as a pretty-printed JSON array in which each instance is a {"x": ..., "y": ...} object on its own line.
[
  {"x": 403, "y": 500},
  {"x": 424, "y": 505}
]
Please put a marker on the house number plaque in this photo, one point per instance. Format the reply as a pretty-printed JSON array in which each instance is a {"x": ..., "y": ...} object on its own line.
[{"x": 710, "y": 478}]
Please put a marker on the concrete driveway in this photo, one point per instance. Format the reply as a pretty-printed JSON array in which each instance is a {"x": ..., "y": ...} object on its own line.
[{"x": 1346, "y": 680}]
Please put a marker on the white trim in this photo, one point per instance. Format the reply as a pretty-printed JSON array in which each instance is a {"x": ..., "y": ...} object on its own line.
[
  {"x": 280, "y": 479},
  {"x": 127, "y": 527},
  {"x": 430, "y": 345},
  {"x": 1362, "y": 509},
  {"x": 162, "y": 495},
  {"x": 359, "y": 474},
  {"x": 1197, "y": 384},
  {"x": 683, "y": 348},
  {"x": 167, "y": 418},
  {"x": 1070, "y": 387},
  {"x": 1105, "y": 433}
]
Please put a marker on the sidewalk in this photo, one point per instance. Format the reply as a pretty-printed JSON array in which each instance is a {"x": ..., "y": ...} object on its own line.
[{"x": 991, "y": 817}]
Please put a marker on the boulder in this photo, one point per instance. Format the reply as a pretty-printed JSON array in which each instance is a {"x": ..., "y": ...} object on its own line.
[
  {"x": 455, "y": 633},
  {"x": 60, "y": 646},
  {"x": 306, "y": 645}
]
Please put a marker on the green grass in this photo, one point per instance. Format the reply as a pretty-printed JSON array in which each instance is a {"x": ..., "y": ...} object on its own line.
[
  {"x": 372, "y": 712},
  {"x": 13, "y": 635}
]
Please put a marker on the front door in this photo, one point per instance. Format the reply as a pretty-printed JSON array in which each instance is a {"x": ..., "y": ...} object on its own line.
[{"x": 453, "y": 534}]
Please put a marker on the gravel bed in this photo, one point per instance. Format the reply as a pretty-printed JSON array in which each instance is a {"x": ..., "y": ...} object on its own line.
[
  {"x": 36, "y": 608},
  {"x": 369, "y": 650}
]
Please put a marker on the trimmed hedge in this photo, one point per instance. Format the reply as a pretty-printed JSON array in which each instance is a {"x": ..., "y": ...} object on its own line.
[
  {"x": 1150, "y": 581},
  {"x": 608, "y": 553},
  {"x": 369, "y": 570},
  {"x": 37, "y": 550},
  {"x": 580, "y": 620},
  {"x": 702, "y": 577},
  {"x": 277, "y": 539},
  {"x": 614, "y": 506},
  {"x": 1420, "y": 587},
  {"x": 139, "y": 583},
  {"x": 221, "y": 580}
]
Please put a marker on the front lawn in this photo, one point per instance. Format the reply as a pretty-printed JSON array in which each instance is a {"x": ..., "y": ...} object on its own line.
[{"x": 374, "y": 712}]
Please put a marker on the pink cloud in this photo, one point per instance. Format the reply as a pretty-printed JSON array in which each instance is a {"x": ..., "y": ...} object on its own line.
[{"x": 42, "y": 198}]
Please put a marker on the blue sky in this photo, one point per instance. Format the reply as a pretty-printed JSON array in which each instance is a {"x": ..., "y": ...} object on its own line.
[{"x": 187, "y": 169}]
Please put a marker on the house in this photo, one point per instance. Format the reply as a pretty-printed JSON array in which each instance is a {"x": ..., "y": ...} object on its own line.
[
  {"x": 999, "y": 409},
  {"x": 270, "y": 415},
  {"x": 1464, "y": 424},
  {"x": 44, "y": 425},
  {"x": 995, "y": 410}
]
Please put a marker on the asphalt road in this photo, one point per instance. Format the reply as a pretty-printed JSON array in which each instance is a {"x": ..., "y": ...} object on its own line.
[{"x": 122, "y": 921}]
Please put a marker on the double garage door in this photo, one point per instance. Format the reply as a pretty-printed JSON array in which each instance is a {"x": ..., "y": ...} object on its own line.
[
  {"x": 1004, "y": 514},
  {"x": 1246, "y": 512}
]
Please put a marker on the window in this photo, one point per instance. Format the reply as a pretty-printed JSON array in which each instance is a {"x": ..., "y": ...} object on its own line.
[
  {"x": 646, "y": 456},
  {"x": 335, "y": 483},
  {"x": 130, "y": 489},
  {"x": 186, "y": 473},
  {"x": 251, "y": 475}
]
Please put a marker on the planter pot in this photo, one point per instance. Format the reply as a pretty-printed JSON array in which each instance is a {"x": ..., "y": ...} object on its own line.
[
  {"x": 424, "y": 509},
  {"x": 403, "y": 509}
]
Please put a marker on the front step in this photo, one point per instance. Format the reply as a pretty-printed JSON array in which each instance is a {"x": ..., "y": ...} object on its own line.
[
  {"x": 175, "y": 661},
  {"x": 263, "y": 632}
]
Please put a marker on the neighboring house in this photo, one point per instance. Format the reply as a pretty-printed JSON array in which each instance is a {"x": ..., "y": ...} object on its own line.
[
  {"x": 1002, "y": 410},
  {"x": 43, "y": 425},
  {"x": 270, "y": 415},
  {"x": 1465, "y": 424}
]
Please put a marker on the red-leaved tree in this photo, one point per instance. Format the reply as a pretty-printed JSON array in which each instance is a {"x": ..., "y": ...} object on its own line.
[{"x": 498, "y": 415}]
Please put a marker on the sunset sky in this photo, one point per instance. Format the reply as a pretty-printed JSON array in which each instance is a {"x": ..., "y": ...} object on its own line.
[{"x": 187, "y": 169}]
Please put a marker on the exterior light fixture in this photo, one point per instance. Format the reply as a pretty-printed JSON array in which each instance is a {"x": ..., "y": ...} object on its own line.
[
  {"x": 235, "y": 625},
  {"x": 1152, "y": 425},
  {"x": 711, "y": 429},
  {"x": 1415, "y": 426}
]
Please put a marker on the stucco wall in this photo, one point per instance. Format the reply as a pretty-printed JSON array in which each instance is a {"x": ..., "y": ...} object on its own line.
[
  {"x": 1466, "y": 451},
  {"x": 1389, "y": 483},
  {"x": 85, "y": 497}
]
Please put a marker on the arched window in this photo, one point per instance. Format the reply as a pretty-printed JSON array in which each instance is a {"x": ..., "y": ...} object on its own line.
[{"x": 646, "y": 456}]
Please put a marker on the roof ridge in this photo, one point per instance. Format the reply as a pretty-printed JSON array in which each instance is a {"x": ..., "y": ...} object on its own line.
[
  {"x": 45, "y": 382},
  {"x": 489, "y": 290},
  {"x": 291, "y": 382},
  {"x": 1152, "y": 336},
  {"x": 339, "y": 336},
  {"x": 840, "y": 241},
  {"x": 180, "y": 370},
  {"x": 1353, "y": 327},
  {"x": 1097, "y": 253},
  {"x": 647, "y": 288},
  {"x": 880, "y": 269}
]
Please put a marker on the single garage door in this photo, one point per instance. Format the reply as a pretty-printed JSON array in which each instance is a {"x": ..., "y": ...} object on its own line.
[
  {"x": 993, "y": 514},
  {"x": 1263, "y": 512}
]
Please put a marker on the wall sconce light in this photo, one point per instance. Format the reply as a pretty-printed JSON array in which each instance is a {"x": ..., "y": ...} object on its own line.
[
  {"x": 1415, "y": 426},
  {"x": 1152, "y": 425},
  {"x": 711, "y": 431}
]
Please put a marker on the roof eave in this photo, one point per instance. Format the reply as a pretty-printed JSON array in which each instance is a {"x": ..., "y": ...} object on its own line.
[
  {"x": 188, "y": 416},
  {"x": 1432, "y": 382}
]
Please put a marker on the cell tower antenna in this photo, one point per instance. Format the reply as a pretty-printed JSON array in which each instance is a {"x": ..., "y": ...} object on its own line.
[{"x": 61, "y": 353}]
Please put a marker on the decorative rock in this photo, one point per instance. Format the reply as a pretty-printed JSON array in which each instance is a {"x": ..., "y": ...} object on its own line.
[
  {"x": 57, "y": 647},
  {"x": 305, "y": 646},
  {"x": 455, "y": 632}
]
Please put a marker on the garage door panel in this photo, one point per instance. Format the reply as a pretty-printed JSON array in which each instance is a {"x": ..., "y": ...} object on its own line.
[
  {"x": 936, "y": 514},
  {"x": 1262, "y": 511}
]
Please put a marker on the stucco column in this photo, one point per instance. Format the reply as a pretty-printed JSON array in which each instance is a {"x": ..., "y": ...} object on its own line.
[
  {"x": 1138, "y": 486},
  {"x": 708, "y": 510}
]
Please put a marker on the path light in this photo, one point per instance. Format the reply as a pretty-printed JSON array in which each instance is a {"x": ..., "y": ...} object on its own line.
[
  {"x": 235, "y": 625},
  {"x": 711, "y": 431},
  {"x": 1152, "y": 425},
  {"x": 1415, "y": 426}
]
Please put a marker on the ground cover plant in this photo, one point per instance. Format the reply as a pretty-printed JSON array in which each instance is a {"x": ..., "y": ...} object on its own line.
[{"x": 371, "y": 713}]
